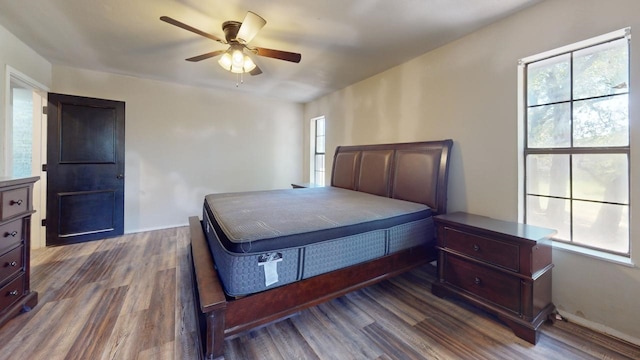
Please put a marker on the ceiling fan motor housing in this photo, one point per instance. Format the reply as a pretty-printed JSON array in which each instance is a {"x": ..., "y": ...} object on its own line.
[{"x": 230, "y": 29}]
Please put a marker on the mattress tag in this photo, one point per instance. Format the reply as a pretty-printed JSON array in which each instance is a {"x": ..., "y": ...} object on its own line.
[{"x": 269, "y": 262}]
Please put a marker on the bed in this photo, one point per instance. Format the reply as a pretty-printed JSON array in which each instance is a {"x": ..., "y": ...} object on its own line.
[{"x": 261, "y": 256}]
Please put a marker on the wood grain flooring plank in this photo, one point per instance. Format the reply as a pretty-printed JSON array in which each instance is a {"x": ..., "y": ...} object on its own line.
[
  {"x": 260, "y": 347},
  {"x": 388, "y": 298},
  {"x": 395, "y": 347},
  {"x": 325, "y": 343},
  {"x": 236, "y": 348},
  {"x": 125, "y": 337},
  {"x": 162, "y": 352},
  {"x": 599, "y": 345},
  {"x": 462, "y": 341},
  {"x": 97, "y": 267},
  {"x": 90, "y": 342},
  {"x": 349, "y": 333},
  {"x": 290, "y": 343},
  {"x": 388, "y": 320},
  {"x": 395, "y": 325},
  {"x": 67, "y": 315},
  {"x": 141, "y": 289},
  {"x": 159, "y": 327},
  {"x": 345, "y": 308}
]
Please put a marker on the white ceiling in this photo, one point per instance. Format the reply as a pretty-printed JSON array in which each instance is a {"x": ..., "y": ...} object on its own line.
[{"x": 341, "y": 41}]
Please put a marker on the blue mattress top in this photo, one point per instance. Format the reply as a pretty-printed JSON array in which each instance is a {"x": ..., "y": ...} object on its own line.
[{"x": 277, "y": 219}]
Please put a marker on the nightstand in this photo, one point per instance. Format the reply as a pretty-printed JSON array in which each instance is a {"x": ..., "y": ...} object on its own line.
[{"x": 501, "y": 267}]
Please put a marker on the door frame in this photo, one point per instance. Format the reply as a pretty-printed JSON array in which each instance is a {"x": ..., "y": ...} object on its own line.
[{"x": 39, "y": 156}]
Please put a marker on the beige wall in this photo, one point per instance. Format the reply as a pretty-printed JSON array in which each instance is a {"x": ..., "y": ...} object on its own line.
[
  {"x": 467, "y": 91},
  {"x": 21, "y": 57},
  {"x": 185, "y": 142},
  {"x": 17, "y": 55}
]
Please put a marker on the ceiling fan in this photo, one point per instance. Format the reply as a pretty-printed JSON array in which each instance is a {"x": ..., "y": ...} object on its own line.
[{"x": 237, "y": 35}]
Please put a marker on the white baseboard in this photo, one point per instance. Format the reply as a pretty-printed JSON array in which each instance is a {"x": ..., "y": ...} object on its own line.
[
  {"x": 135, "y": 231},
  {"x": 599, "y": 328}
]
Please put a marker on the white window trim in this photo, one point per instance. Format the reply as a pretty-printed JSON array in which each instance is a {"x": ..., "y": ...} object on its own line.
[
  {"x": 312, "y": 148},
  {"x": 522, "y": 91}
]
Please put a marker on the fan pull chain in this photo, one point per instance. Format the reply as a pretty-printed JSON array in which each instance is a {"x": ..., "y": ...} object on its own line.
[{"x": 239, "y": 79}]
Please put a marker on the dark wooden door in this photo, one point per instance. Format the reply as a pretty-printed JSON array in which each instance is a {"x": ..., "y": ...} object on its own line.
[{"x": 85, "y": 169}]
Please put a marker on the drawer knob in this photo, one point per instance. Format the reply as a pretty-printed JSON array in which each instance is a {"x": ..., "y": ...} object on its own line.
[
  {"x": 13, "y": 263},
  {"x": 15, "y": 202},
  {"x": 13, "y": 293},
  {"x": 477, "y": 281},
  {"x": 12, "y": 234},
  {"x": 476, "y": 247}
]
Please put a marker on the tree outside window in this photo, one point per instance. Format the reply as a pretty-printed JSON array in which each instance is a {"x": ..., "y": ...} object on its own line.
[{"x": 577, "y": 145}]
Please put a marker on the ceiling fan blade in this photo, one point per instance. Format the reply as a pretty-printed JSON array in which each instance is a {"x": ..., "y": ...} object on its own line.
[
  {"x": 251, "y": 24},
  {"x": 255, "y": 71},
  {"x": 279, "y": 54},
  {"x": 191, "y": 28},
  {"x": 206, "y": 56}
]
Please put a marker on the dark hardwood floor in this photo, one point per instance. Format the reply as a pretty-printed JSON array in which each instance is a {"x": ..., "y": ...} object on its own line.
[{"x": 130, "y": 298}]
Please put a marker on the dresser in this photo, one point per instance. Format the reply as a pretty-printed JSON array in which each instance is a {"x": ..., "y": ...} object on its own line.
[
  {"x": 501, "y": 267},
  {"x": 15, "y": 227}
]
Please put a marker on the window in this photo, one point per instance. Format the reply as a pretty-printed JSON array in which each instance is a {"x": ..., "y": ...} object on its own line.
[
  {"x": 317, "y": 138},
  {"x": 22, "y": 131},
  {"x": 576, "y": 142}
]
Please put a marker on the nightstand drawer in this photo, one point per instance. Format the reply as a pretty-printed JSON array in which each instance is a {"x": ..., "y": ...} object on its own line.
[
  {"x": 10, "y": 234},
  {"x": 10, "y": 263},
  {"x": 495, "y": 252},
  {"x": 493, "y": 285},
  {"x": 14, "y": 202},
  {"x": 12, "y": 292}
]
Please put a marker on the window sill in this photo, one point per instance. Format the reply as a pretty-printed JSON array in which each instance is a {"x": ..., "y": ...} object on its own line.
[{"x": 600, "y": 255}]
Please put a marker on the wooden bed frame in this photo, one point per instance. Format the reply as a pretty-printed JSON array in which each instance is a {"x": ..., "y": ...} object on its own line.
[{"x": 409, "y": 171}]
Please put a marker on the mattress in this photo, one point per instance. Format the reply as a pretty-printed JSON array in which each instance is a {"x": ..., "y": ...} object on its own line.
[{"x": 260, "y": 240}]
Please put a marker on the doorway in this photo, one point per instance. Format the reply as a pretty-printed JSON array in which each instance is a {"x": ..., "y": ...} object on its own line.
[{"x": 24, "y": 146}]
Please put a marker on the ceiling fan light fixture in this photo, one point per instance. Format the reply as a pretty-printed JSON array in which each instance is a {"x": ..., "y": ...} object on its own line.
[
  {"x": 236, "y": 62},
  {"x": 248, "y": 64},
  {"x": 226, "y": 61},
  {"x": 237, "y": 57}
]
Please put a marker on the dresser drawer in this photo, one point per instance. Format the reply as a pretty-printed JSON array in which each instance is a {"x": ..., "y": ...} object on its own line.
[
  {"x": 14, "y": 202},
  {"x": 495, "y": 286},
  {"x": 11, "y": 263},
  {"x": 10, "y": 234},
  {"x": 492, "y": 251},
  {"x": 11, "y": 292}
]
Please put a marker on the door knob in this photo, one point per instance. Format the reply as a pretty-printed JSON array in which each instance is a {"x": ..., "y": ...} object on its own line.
[{"x": 120, "y": 176}]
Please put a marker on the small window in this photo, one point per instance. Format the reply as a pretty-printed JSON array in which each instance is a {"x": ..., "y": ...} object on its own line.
[
  {"x": 576, "y": 143},
  {"x": 318, "y": 141}
]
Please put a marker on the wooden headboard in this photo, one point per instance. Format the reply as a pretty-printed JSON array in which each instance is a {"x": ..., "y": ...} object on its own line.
[{"x": 414, "y": 172}]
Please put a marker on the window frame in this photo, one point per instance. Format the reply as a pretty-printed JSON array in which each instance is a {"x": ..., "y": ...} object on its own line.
[
  {"x": 314, "y": 168},
  {"x": 572, "y": 149}
]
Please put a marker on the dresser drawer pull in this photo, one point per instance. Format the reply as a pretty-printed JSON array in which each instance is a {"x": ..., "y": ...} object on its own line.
[
  {"x": 476, "y": 247},
  {"x": 477, "y": 281},
  {"x": 12, "y": 234},
  {"x": 15, "y": 202},
  {"x": 12, "y": 264},
  {"x": 13, "y": 293}
]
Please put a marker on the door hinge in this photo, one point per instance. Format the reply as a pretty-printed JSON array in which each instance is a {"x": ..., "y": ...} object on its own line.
[
  {"x": 44, "y": 167},
  {"x": 44, "y": 222},
  {"x": 44, "y": 110}
]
